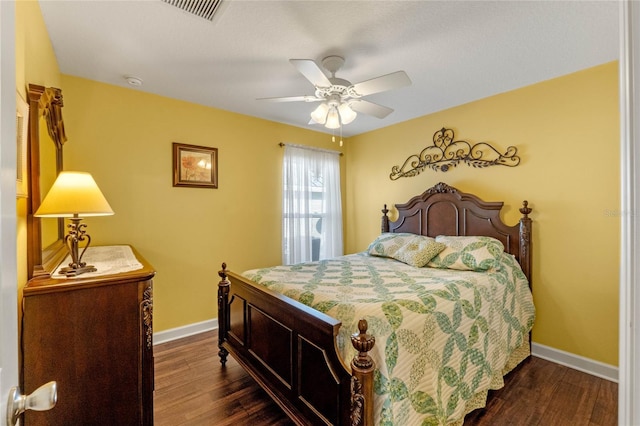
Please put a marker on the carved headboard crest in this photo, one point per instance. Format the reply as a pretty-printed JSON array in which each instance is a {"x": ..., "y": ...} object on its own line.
[{"x": 441, "y": 188}]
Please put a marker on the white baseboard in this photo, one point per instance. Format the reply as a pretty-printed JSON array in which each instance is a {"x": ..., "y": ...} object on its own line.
[
  {"x": 577, "y": 362},
  {"x": 185, "y": 331}
]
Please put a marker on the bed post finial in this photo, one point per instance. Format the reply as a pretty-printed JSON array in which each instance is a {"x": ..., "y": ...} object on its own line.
[
  {"x": 362, "y": 368},
  {"x": 385, "y": 220},
  {"x": 525, "y": 240},
  {"x": 363, "y": 343},
  {"x": 223, "y": 312}
]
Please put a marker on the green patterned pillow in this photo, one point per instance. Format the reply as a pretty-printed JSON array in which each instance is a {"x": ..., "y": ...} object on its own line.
[
  {"x": 387, "y": 244},
  {"x": 419, "y": 251},
  {"x": 412, "y": 249},
  {"x": 468, "y": 253}
]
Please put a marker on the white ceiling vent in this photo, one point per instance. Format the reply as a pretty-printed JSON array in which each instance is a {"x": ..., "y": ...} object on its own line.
[{"x": 202, "y": 8}]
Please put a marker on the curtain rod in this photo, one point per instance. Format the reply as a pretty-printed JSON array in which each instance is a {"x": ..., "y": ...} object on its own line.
[{"x": 310, "y": 148}]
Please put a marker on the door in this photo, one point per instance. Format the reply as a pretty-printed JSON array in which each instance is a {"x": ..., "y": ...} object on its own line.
[
  {"x": 629, "y": 353},
  {"x": 43, "y": 398},
  {"x": 8, "y": 278}
]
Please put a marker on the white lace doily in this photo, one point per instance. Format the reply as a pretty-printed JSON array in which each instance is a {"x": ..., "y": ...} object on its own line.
[{"x": 107, "y": 260}]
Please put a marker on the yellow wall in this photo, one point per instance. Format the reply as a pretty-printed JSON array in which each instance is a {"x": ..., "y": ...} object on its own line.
[
  {"x": 566, "y": 131},
  {"x": 567, "y": 134},
  {"x": 35, "y": 64},
  {"x": 124, "y": 138}
]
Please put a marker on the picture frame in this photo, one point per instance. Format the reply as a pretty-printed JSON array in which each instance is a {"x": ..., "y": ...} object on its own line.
[
  {"x": 195, "y": 166},
  {"x": 22, "y": 129}
]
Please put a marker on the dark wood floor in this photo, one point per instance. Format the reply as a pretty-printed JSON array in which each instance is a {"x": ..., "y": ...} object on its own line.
[{"x": 193, "y": 389}]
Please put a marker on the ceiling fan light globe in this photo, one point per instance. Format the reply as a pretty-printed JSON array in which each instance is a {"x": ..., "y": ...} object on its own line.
[
  {"x": 347, "y": 115},
  {"x": 319, "y": 115},
  {"x": 333, "y": 119}
]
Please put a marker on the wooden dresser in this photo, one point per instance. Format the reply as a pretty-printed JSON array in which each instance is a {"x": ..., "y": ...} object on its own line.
[{"x": 93, "y": 336}]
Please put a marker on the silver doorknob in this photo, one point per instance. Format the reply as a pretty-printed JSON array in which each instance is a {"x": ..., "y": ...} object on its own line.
[{"x": 42, "y": 399}]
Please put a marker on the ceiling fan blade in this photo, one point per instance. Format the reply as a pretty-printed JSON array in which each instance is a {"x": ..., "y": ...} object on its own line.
[
  {"x": 369, "y": 108},
  {"x": 383, "y": 83},
  {"x": 306, "y": 98},
  {"x": 311, "y": 71}
]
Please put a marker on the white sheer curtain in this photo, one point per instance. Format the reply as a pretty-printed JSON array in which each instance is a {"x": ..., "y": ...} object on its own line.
[{"x": 312, "y": 205}]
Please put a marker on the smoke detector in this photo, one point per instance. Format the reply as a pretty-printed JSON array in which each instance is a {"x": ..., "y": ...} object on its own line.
[{"x": 133, "y": 81}]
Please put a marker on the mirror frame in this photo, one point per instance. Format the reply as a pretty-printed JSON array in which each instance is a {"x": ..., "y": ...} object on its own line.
[{"x": 47, "y": 103}]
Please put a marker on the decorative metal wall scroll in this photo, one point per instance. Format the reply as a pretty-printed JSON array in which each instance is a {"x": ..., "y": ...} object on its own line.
[{"x": 447, "y": 152}]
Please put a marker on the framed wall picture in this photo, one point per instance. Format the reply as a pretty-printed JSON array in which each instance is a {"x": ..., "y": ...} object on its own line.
[
  {"x": 195, "y": 166},
  {"x": 22, "y": 128}
]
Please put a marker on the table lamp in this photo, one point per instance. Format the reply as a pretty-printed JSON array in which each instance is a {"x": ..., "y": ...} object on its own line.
[{"x": 72, "y": 195}]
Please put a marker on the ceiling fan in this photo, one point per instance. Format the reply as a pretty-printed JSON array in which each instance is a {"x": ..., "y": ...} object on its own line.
[{"x": 342, "y": 100}]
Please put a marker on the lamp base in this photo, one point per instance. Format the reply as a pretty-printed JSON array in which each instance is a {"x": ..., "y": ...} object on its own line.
[
  {"x": 68, "y": 271},
  {"x": 76, "y": 234}
]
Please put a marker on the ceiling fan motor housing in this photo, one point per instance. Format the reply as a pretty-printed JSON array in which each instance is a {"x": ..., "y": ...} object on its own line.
[{"x": 339, "y": 86}]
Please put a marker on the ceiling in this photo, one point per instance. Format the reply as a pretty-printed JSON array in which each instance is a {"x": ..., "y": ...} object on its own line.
[{"x": 453, "y": 51}]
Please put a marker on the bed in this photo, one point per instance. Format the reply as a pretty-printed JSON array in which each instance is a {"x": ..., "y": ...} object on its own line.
[{"x": 310, "y": 334}]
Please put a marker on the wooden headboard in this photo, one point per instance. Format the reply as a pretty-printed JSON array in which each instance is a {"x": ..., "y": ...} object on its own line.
[{"x": 444, "y": 210}]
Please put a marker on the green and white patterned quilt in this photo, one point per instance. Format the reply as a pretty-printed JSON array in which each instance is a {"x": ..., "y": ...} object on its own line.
[{"x": 443, "y": 337}]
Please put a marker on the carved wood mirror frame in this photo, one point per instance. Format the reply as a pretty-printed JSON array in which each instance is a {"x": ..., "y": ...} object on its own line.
[{"x": 45, "y": 105}]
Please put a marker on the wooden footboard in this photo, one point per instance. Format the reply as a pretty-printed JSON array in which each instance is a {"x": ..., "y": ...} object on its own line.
[{"x": 290, "y": 350}]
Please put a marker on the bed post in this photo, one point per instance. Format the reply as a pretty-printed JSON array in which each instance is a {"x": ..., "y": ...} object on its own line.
[
  {"x": 223, "y": 313},
  {"x": 362, "y": 377},
  {"x": 525, "y": 240},
  {"x": 385, "y": 220}
]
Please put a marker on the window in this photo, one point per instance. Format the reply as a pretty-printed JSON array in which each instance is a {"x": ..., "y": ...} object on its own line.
[{"x": 312, "y": 209}]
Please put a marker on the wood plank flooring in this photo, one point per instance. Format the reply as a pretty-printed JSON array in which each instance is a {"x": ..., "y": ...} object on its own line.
[{"x": 193, "y": 389}]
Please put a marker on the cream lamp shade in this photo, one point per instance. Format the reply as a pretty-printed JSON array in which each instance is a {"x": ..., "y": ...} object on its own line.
[
  {"x": 74, "y": 193},
  {"x": 333, "y": 114},
  {"x": 333, "y": 119},
  {"x": 347, "y": 115},
  {"x": 319, "y": 115}
]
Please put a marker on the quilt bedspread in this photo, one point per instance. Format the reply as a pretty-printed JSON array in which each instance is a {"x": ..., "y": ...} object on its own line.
[{"x": 442, "y": 336}]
